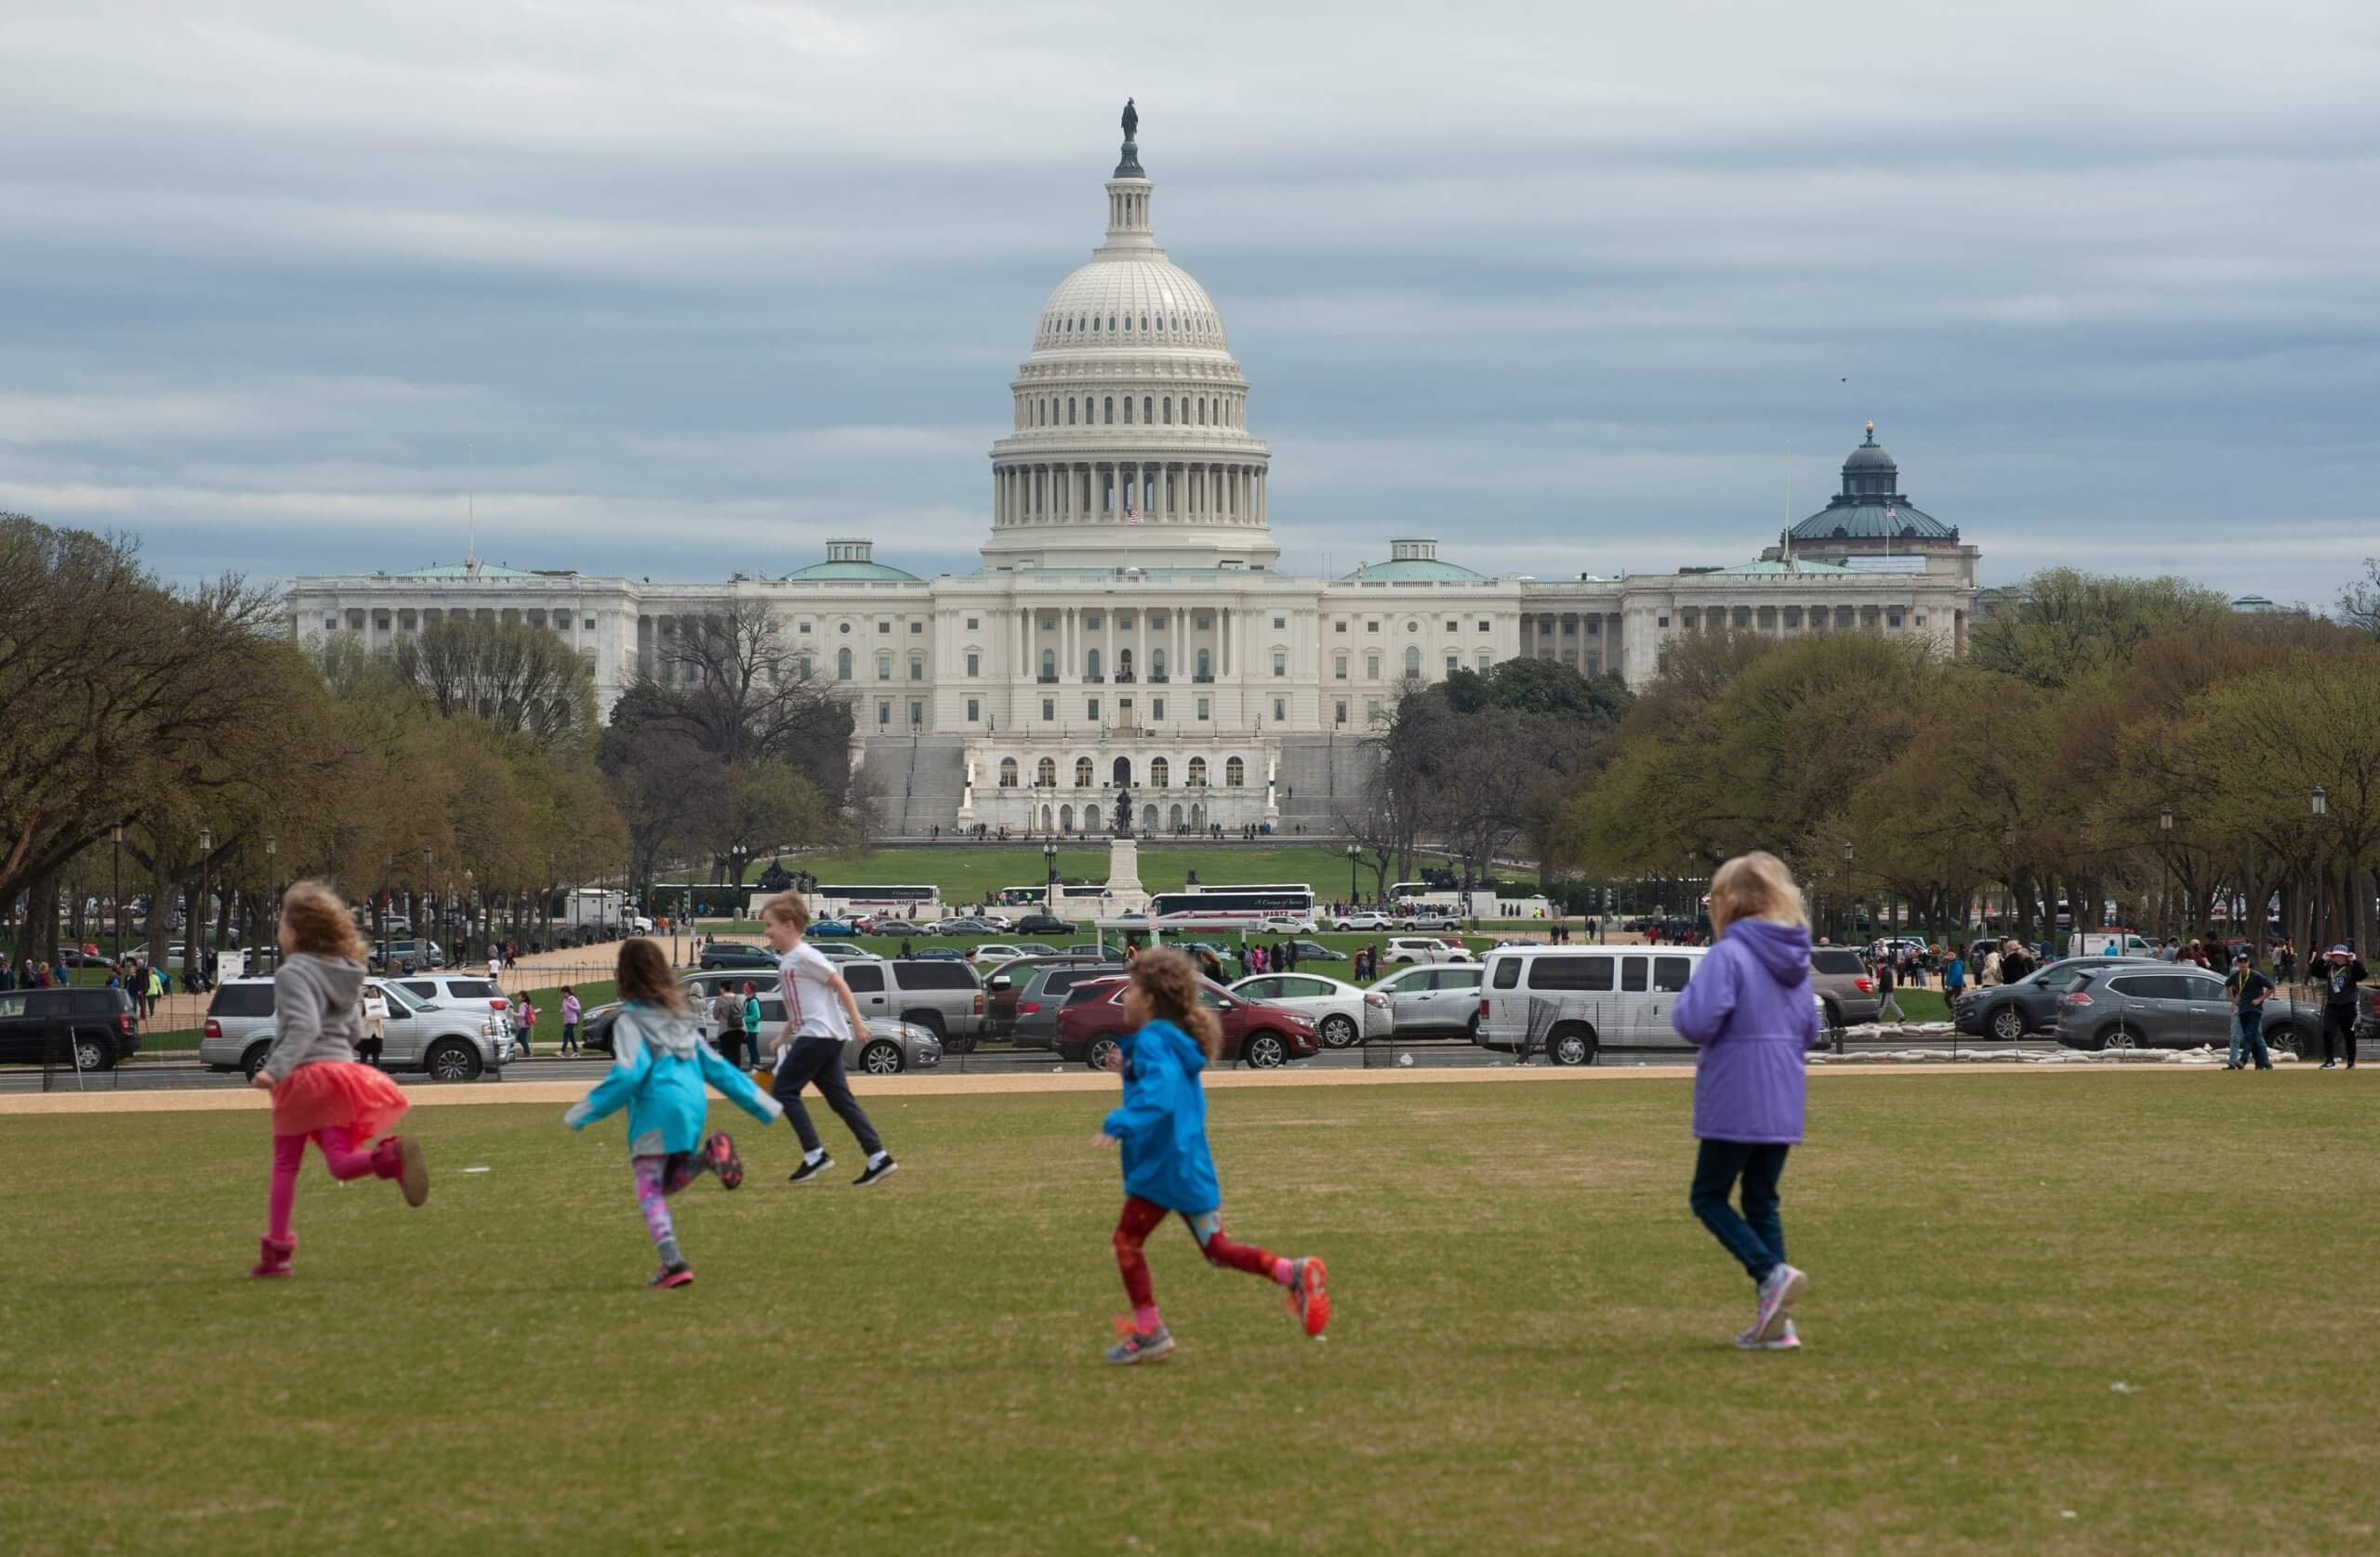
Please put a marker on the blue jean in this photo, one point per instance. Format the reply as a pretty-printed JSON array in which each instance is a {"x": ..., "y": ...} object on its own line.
[
  {"x": 1757, "y": 1237},
  {"x": 2248, "y": 1034}
]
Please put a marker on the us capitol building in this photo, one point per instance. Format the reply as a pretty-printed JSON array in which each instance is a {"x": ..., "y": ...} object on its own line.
[{"x": 1128, "y": 641}]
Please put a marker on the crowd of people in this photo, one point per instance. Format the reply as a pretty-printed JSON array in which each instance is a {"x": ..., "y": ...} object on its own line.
[{"x": 146, "y": 982}]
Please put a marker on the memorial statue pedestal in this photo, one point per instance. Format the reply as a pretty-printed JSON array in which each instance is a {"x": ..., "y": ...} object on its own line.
[{"x": 1125, "y": 894}]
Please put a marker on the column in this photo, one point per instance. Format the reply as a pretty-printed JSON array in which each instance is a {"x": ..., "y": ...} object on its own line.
[
  {"x": 1141, "y": 658},
  {"x": 996, "y": 495},
  {"x": 1180, "y": 667}
]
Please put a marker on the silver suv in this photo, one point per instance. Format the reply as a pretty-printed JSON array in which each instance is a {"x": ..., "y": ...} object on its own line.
[
  {"x": 943, "y": 998},
  {"x": 453, "y": 1043}
]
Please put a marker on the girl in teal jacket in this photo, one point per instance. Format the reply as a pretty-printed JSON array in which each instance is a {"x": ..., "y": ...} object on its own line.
[
  {"x": 659, "y": 1068},
  {"x": 1162, "y": 1131}
]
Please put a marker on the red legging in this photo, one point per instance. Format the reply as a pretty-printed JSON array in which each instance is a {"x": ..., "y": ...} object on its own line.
[
  {"x": 339, "y": 1154},
  {"x": 1140, "y": 1219}
]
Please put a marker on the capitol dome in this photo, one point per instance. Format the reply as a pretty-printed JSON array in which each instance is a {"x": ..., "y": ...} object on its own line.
[{"x": 1128, "y": 442}]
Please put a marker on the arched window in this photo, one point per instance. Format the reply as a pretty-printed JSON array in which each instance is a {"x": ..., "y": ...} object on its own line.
[
  {"x": 1082, "y": 772},
  {"x": 1160, "y": 773},
  {"x": 1198, "y": 773},
  {"x": 1412, "y": 663},
  {"x": 1008, "y": 772},
  {"x": 1123, "y": 772},
  {"x": 1235, "y": 773},
  {"x": 1111, "y": 321},
  {"x": 1485, "y": 662},
  {"x": 1371, "y": 667},
  {"x": 1066, "y": 819},
  {"x": 1128, "y": 411},
  {"x": 1091, "y": 663},
  {"x": 1046, "y": 775},
  {"x": 1144, "y": 322},
  {"x": 1157, "y": 664},
  {"x": 1203, "y": 663},
  {"x": 843, "y": 665},
  {"x": 1070, "y": 410},
  {"x": 1202, "y": 411},
  {"x": 1111, "y": 409},
  {"x": 1165, "y": 408},
  {"x": 883, "y": 667},
  {"x": 1146, "y": 403},
  {"x": 1048, "y": 665}
]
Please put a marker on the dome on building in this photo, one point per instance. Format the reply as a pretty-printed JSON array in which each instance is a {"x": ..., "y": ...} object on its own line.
[
  {"x": 1870, "y": 507},
  {"x": 1414, "y": 559},
  {"x": 849, "y": 558},
  {"x": 1128, "y": 442}
]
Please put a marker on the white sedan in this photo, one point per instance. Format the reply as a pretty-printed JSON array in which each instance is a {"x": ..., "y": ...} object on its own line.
[
  {"x": 1343, "y": 1013},
  {"x": 1286, "y": 924},
  {"x": 994, "y": 951},
  {"x": 1366, "y": 922}
]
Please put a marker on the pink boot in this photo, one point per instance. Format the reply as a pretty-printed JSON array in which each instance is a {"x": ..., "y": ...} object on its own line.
[{"x": 273, "y": 1259}]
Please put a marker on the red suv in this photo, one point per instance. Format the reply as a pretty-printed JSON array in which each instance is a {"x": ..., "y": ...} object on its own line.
[{"x": 1091, "y": 1023}]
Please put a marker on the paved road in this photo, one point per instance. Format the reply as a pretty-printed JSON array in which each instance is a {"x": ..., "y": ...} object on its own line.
[{"x": 162, "y": 1074}]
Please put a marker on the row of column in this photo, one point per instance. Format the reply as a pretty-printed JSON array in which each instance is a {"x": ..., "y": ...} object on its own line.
[
  {"x": 1074, "y": 638},
  {"x": 1163, "y": 492}
]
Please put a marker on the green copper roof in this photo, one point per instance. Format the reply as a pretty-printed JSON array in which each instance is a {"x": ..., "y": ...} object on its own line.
[
  {"x": 465, "y": 570},
  {"x": 1746, "y": 570},
  {"x": 1408, "y": 569},
  {"x": 882, "y": 573},
  {"x": 1872, "y": 517}
]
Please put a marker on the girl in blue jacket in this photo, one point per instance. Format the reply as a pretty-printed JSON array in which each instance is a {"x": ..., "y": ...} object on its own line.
[
  {"x": 659, "y": 1066},
  {"x": 1162, "y": 1128}
]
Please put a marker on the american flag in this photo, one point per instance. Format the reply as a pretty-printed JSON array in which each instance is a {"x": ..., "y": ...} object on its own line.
[
  {"x": 1891, "y": 513},
  {"x": 1131, "y": 514}
]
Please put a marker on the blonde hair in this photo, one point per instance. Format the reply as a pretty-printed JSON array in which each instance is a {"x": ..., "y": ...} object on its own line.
[
  {"x": 644, "y": 973},
  {"x": 789, "y": 908},
  {"x": 1754, "y": 886},
  {"x": 1172, "y": 984},
  {"x": 318, "y": 921}
]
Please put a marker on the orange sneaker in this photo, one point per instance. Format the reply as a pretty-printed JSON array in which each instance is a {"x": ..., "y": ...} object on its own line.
[{"x": 1309, "y": 1297}]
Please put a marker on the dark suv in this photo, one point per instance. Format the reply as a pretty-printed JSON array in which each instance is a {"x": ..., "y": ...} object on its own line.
[
  {"x": 96, "y": 1026},
  {"x": 1043, "y": 924}
]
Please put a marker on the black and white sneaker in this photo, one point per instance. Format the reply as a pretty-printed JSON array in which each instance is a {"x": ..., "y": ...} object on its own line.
[
  {"x": 876, "y": 1170},
  {"x": 809, "y": 1169}
]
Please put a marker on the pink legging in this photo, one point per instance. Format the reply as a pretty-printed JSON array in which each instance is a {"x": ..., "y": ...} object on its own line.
[{"x": 339, "y": 1154}]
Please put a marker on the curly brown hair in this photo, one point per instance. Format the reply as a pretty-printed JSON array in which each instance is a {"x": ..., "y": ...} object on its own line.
[
  {"x": 644, "y": 973},
  {"x": 318, "y": 921},
  {"x": 1171, "y": 985}
]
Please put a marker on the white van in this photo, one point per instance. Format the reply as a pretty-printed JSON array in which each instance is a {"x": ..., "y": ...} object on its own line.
[
  {"x": 1572, "y": 1002},
  {"x": 2115, "y": 941}
]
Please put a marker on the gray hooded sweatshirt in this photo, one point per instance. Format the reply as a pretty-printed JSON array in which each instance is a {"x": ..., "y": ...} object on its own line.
[{"x": 315, "y": 1002}]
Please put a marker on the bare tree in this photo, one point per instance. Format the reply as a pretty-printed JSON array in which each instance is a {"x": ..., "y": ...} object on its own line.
[
  {"x": 732, "y": 681},
  {"x": 516, "y": 678}
]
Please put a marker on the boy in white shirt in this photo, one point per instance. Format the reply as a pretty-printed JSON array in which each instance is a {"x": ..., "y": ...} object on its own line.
[{"x": 821, "y": 1017}]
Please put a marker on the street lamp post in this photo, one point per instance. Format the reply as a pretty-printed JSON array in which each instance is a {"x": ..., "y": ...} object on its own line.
[
  {"x": 1851, "y": 923},
  {"x": 2315, "y": 905},
  {"x": 1050, "y": 868},
  {"x": 115, "y": 836},
  {"x": 2165, "y": 847},
  {"x": 272, "y": 883},
  {"x": 2008, "y": 863},
  {"x": 195, "y": 933},
  {"x": 1350, "y": 878}
]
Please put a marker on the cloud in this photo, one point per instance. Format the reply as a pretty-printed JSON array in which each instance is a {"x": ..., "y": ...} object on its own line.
[{"x": 675, "y": 287}]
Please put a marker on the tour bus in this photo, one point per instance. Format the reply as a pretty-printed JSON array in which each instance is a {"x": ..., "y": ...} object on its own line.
[
  {"x": 1235, "y": 903},
  {"x": 1022, "y": 897},
  {"x": 915, "y": 904}
]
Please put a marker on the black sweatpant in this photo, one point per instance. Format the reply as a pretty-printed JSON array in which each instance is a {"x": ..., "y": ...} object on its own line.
[
  {"x": 2338, "y": 1020},
  {"x": 819, "y": 1063}
]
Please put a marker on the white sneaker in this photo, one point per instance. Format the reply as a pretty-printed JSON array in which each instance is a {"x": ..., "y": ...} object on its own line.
[
  {"x": 1786, "y": 1341},
  {"x": 1778, "y": 1294}
]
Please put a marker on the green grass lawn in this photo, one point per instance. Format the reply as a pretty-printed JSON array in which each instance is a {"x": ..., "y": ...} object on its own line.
[
  {"x": 2073, "y": 1313},
  {"x": 966, "y": 872}
]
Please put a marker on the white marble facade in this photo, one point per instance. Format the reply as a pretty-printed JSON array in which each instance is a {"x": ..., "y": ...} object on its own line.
[{"x": 1128, "y": 623}]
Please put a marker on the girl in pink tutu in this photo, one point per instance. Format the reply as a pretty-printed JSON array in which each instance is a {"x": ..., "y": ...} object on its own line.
[{"x": 319, "y": 1092}]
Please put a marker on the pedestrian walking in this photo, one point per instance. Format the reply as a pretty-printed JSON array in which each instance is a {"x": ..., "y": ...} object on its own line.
[
  {"x": 2248, "y": 990},
  {"x": 1988, "y": 976},
  {"x": 2284, "y": 961},
  {"x": 660, "y": 1067},
  {"x": 2344, "y": 971},
  {"x": 320, "y": 1092},
  {"x": 1160, "y": 1129},
  {"x": 727, "y": 1019},
  {"x": 1751, "y": 1012},
  {"x": 752, "y": 1022},
  {"x": 1954, "y": 979},
  {"x": 524, "y": 1022},
  {"x": 376, "y": 1019},
  {"x": 570, "y": 1009},
  {"x": 821, "y": 1017},
  {"x": 1884, "y": 1000}
]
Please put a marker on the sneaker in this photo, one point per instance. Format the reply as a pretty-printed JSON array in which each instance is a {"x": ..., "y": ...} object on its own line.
[
  {"x": 878, "y": 1169},
  {"x": 1778, "y": 1294},
  {"x": 721, "y": 1151},
  {"x": 1140, "y": 1346},
  {"x": 2330, "y": 1064},
  {"x": 672, "y": 1275},
  {"x": 810, "y": 1169},
  {"x": 1308, "y": 1297},
  {"x": 1786, "y": 1341},
  {"x": 413, "y": 1174},
  {"x": 273, "y": 1257}
]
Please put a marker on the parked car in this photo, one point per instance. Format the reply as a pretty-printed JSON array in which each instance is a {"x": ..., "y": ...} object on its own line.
[
  {"x": 894, "y": 927},
  {"x": 1344, "y": 1014},
  {"x": 1315, "y": 951},
  {"x": 936, "y": 954},
  {"x": 421, "y": 953},
  {"x": 1365, "y": 921},
  {"x": 1043, "y": 924},
  {"x": 445, "y": 989},
  {"x": 2009, "y": 1011},
  {"x": 741, "y": 954},
  {"x": 453, "y": 1043},
  {"x": 1573, "y": 1003},
  {"x": 1033, "y": 1004},
  {"x": 1004, "y": 986},
  {"x": 1091, "y": 1025},
  {"x": 2149, "y": 1005},
  {"x": 1288, "y": 924},
  {"x": 1433, "y": 1000},
  {"x": 989, "y": 953},
  {"x": 1845, "y": 991},
  {"x": 969, "y": 924},
  {"x": 825, "y": 930},
  {"x": 940, "y": 994},
  {"x": 888, "y": 1047},
  {"x": 1423, "y": 948},
  {"x": 843, "y": 951},
  {"x": 97, "y": 1027}
]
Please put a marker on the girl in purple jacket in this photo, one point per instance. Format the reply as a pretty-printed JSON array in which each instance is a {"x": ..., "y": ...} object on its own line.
[{"x": 1750, "y": 1012}]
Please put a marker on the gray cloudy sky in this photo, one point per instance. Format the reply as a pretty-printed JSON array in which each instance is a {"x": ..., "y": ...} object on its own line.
[{"x": 703, "y": 283}]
